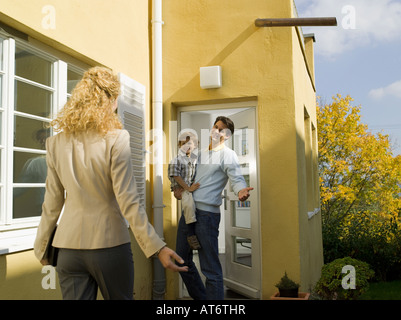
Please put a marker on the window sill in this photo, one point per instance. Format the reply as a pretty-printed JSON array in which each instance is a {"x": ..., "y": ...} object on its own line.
[{"x": 17, "y": 240}]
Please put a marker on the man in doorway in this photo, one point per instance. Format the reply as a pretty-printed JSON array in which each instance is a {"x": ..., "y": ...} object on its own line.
[{"x": 216, "y": 166}]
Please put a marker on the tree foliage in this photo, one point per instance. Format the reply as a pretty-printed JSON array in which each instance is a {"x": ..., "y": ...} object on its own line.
[
  {"x": 360, "y": 190},
  {"x": 358, "y": 171}
]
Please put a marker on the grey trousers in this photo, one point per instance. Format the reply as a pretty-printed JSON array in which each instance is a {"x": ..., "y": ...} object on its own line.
[{"x": 82, "y": 272}]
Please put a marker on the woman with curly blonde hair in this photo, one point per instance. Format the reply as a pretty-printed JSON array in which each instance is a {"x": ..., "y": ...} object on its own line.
[
  {"x": 89, "y": 161},
  {"x": 92, "y": 104}
]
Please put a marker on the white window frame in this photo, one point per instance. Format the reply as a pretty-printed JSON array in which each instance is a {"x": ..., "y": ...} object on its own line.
[
  {"x": 2, "y": 128},
  {"x": 19, "y": 234}
]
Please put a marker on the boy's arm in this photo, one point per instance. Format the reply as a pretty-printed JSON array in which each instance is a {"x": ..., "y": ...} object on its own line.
[
  {"x": 182, "y": 183},
  {"x": 173, "y": 170}
]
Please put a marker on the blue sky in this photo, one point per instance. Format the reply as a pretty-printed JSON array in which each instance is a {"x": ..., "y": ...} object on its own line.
[{"x": 361, "y": 57}]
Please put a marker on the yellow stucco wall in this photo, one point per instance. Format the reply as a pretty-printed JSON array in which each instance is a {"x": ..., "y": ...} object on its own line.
[
  {"x": 110, "y": 33},
  {"x": 265, "y": 63},
  {"x": 311, "y": 245},
  {"x": 21, "y": 278}
]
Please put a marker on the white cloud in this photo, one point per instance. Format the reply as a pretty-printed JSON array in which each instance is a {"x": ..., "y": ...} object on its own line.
[
  {"x": 360, "y": 23},
  {"x": 393, "y": 89}
]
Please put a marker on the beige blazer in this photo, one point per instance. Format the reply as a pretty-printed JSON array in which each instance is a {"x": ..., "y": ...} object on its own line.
[{"x": 92, "y": 177}]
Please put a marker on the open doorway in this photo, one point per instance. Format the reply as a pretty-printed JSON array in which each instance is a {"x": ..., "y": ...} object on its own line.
[{"x": 239, "y": 234}]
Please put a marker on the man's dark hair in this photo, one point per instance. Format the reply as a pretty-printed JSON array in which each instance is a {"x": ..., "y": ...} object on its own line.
[{"x": 227, "y": 121}]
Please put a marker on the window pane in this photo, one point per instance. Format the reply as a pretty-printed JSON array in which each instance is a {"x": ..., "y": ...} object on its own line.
[
  {"x": 1, "y": 91},
  {"x": 30, "y": 133},
  {"x": 72, "y": 80},
  {"x": 29, "y": 167},
  {"x": 1, "y": 54},
  {"x": 30, "y": 66},
  {"x": 33, "y": 100},
  {"x": 1, "y": 126},
  {"x": 28, "y": 202}
]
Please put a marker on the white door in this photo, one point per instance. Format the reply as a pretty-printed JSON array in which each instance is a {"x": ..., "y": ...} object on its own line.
[{"x": 242, "y": 228}]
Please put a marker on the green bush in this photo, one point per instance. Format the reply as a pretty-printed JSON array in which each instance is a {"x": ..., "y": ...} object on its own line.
[
  {"x": 330, "y": 284},
  {"x": 366, "y": 238}
]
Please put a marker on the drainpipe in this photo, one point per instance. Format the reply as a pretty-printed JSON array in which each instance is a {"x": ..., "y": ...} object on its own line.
[{"x": 159, "y": 280}]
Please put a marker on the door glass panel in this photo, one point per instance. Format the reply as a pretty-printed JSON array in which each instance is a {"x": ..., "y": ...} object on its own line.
[
  {"x": 241, "y": 214},
  {"x": 242, "y": 251},
  {"x": 240, "y": 141},
  {"x": 245, "y": 170}
]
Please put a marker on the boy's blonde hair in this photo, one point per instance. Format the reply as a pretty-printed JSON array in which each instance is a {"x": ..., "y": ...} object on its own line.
[{"x": 90, "y": 106}]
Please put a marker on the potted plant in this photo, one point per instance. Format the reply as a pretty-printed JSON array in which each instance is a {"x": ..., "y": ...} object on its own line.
[{"x": 288, "y": 290}]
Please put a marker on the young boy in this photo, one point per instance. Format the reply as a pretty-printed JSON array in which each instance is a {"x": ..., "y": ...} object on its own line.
[{"x": 181, "y": 172}]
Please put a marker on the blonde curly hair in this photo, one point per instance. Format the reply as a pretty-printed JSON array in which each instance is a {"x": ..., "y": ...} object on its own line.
[{"x": 90, "y": 106}]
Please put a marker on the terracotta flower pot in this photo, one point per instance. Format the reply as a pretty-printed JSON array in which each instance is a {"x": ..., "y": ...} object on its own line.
[{"x": 301, "y": 296}]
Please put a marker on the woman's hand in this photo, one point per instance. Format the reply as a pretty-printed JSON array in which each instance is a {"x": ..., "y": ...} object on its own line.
[
  {"x": 44, "y": 262},
  {"x": 166, "y": 255}
]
